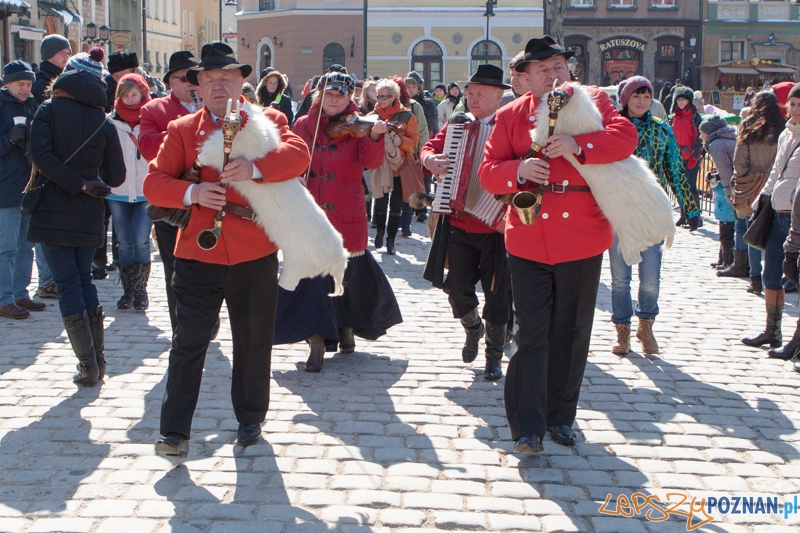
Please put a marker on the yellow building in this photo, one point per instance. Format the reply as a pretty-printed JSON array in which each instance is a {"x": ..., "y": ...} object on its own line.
[
  {"x": 445, "y": 40},
  {"x": 163, "y": 34}
]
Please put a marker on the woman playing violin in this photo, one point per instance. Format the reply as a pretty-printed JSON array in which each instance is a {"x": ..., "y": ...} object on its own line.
[{"x": 368, "y": 307}]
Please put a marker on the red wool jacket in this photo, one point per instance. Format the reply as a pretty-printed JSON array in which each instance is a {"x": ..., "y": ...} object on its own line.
[
  {"x": 570, "y": 225},
  {"x": 241, "y": 240},
  {"x": 337, "y": 170},
  {"x": 155, "y": 116}
]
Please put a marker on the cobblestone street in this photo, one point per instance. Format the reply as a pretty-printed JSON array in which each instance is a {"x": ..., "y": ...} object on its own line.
[{"x": 401, "y": 436}]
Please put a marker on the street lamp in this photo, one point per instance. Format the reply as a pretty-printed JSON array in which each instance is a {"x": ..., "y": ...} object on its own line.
[{"x": 229, "y": 3}]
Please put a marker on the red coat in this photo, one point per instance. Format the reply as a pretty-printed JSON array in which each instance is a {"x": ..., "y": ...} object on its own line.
[
  {"x": 466, "y": 222},
  {"x": 341, "y": 195},
  {"x": 570, "y": 225},
  {"x": 156, "y": 114},
  {"x": 241, "y": 240}
]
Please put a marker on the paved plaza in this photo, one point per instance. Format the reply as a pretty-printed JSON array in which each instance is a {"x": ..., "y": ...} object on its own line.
[{"x": 401, "y": 436}]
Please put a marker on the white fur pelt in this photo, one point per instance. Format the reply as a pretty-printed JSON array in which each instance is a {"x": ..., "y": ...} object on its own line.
[
  {"x": 626, "y": 191},
  {"x": 285, "y": 210}
]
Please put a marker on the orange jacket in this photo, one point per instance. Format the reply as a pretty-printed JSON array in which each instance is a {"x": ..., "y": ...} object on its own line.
[{"x": 241, "y": 240}]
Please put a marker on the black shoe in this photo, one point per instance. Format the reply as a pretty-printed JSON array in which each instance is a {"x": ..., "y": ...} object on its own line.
[
  {"x": 493, "y": 371},
  {"x": 248, "y": 434},
  {"x": 422, "y": 217},
  {"x": 99, "y": 273},
  {"x": 562, "y": 435},
  {"x": 474, "y": 334},
  {"x": 785, "y": 352},
  {"x": 390, "y": 250},
  {"x": 173, "y": 445},
  {"x": 755, "y": 285},
  {"x": 406, "y": 233},
  {"x": 317, "y": 354},
  {"x": 529, "y": 444},
  {"x": 761, "y": 339},
  {"x": 347, "y": 341},
  {"x": 681, "y": 221},
  {"x": 112, "y": 267},
  {"x": 379, "y": 239}
]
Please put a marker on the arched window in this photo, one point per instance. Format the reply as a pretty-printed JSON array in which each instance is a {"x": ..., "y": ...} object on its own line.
[
  {"x": 332, "y": 55},
  {"x": 266, "y": 57},
  {"x": 426, "y": 59},
  {"x": 485, "y": 53}
]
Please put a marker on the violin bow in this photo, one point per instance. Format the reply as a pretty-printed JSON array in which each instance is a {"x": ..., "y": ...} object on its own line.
[{"x": 307, "y": 173}]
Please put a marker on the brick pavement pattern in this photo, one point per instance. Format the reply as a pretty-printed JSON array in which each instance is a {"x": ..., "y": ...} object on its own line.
[{"x": 401, "y": 436}]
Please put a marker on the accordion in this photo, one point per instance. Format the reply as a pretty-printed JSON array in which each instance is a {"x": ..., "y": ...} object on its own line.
[{"x": 459, "y": 191}]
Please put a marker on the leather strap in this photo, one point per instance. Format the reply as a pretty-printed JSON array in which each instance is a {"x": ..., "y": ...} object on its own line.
[
  {"x": 239, "y": 210},
  {"x": 560, "y": 189}
]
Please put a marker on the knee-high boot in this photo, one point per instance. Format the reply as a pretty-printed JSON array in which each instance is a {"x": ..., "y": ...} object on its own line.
[
  {"x": 80, "y": 337},
  {"x": 790, "y": 349},
  {"x": 474, "y": 328},
  {"x": 380, "y": 220},
  {"x": 391, "y": 232},
  {"x": 772, "y": 332},
  {"x": 141, "y": 276},
  {"x": 96, "y": 318},
  {"x": 495, "y": 340}
]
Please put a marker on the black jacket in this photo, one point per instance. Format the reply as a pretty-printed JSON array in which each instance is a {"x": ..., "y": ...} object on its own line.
[
  {"x": 65, "y": 215},
  {"x": 14, "y": 167},
  {"x": 267, "y": 99},
  {"x": 111, "y": 92},
  {"x": 431, "y": 112},
  {"x": 44, "y": 76}
]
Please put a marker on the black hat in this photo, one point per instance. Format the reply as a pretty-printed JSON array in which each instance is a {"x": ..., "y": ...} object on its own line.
[
  {"x": 179, "y": 61},
  {"x": 16, "y": 71},
  {"x": 488, "y": 75},
  {"x": 337, "y": 68},
  {"x": 214, "y": 56},
  {"x": 541, "y": 49},
  {"x": 122, "y": 60},
  {"x": 265, "y": 72},
  {"x": 338, "y": 82}
]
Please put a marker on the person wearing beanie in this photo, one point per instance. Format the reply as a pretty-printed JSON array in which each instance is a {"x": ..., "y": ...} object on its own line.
[
  {"x": 55, "y": 52},
  {"x": 17, "y": 107},
  {"x": 783, "y": 244},
  {"x": 439, "y": 93},
  {"x": 127, "y": 202},
  {"x": 685, "y": 119},
  {"x": 119, "y": 64},
  {"x": 91, "y": 62},
  {"x": 658, "y": 147},
  {"x": 448, "y": 106}
]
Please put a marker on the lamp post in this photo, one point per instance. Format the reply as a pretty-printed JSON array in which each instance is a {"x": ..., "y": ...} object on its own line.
[
  {"x": 229, "y": 3},
  {"x": 365, "y": 38}
]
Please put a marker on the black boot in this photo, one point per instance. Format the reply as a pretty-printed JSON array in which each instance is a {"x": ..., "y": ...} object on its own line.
[
  {"x": 99, "y": 270},
  {"x": 681, "y": 221},
  {"x": 739, "y": 267},
  {"x": 495, "y": 339},
  {"x": 80, "y": 337},
  {"x": 755, "y": 285},
  {"x": 790, "y": 350},
  {"x": 473, "y": 325},
  {"x": 379, "y": 219},
  {"x": 772, "y": 332},
  {"x": 390, "y": 250},
  {"x": 317, "y": 353},
  {"x": 127, "y": 278},
  {"x": 726, "y": 233},
  {"x": 140, "y": 300},
  {"x": 96, "y": 318},
  {"x": 347, "y": 341},
  {"x": 379, "y": 239}
]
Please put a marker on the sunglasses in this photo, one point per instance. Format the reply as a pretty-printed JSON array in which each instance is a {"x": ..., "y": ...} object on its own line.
[
  {"x": 181, "y": 79},
  {"x": 384, "y": 96}
]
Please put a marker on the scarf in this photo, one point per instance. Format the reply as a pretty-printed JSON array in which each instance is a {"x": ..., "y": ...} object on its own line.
[
  {"x": 382, "y": 179},
  {"x": 387, "y": 114},
  {"x": 129, "y": 114}
]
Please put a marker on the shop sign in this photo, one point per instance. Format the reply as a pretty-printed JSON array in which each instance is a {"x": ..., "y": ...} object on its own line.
[{"x": 622, "y": 43}]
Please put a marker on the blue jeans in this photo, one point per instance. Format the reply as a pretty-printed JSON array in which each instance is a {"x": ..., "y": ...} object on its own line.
[
  {"x": 754, "y": 258},
  {"x": 45, "y": 276},
  {"x": 773, "y": 255},
  {"x": 16, "y": 256},
  {"x": 133, "y": 231},
  {"x": 72, "y": 271},
  {"x": 740, "y": 227},
  {"x": 649, "y": 284},
  {"x": 405, "y": 217}
]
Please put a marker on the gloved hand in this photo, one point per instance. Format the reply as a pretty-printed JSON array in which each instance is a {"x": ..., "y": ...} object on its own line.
[
  {"x": 95, "y": 189},
  {"x": 790, "y": 266},
  {"x": 694, "y": 223},
  {"x": 19, "y": 134}
]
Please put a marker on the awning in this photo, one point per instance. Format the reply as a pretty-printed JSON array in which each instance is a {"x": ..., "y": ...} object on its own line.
[
  {"x": 15, "y": 3},
  {"x": 27, "y": 33},
  {"x": 776, "y": 69},
  {"x": 61, "y": 11},
  {"x": 750, "y": 71}
]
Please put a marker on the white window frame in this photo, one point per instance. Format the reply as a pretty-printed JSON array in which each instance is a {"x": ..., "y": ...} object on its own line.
[
  {"x": 663, "y": 4},
  {"x": 184, "y": 22},
  {"x": 581, "y": 4},
  {"x": 625, "y": 4}
]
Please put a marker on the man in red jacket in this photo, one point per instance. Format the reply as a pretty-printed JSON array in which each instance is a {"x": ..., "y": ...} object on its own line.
[
  {"x": 475, "y": 251},
  {"x": 555, "y": 262},
  {"x": 155, "y": 117},
  {"x": 241, "y": 269}
]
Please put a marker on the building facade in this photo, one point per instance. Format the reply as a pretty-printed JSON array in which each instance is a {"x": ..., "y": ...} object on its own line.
[
  {"x": 616, "y": 39},
  {"x": 163, "y": 35}
]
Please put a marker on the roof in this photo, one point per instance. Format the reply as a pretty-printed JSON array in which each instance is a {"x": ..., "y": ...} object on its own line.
[{"x": 21, "y": 4}]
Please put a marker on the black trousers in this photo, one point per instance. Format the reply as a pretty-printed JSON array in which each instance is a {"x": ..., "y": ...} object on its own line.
[
  {"x": 393, "y": 201},
  {"x": 472, "y": 257},
  {"x": 554, "y": 309},
  {"x": 167, "y": 236},
  {"x": 250, "y": 291}
]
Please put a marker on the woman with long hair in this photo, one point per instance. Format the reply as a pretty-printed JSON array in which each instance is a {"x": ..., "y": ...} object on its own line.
[
  {"x": 756, "y": 146},
  {"x": 780, "y": 189},
  {"x": 127, "y": 202},
  {"x": 386, "y": 186},
  {"x": 270, "y": 92},
  {"x": 369, "y": 97},
  {"x": 78, "y": 153}
]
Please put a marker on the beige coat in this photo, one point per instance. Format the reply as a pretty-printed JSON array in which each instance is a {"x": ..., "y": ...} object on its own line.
[
  {"x": 754, "y": 157},
  {"x": 782, "y": 183}
]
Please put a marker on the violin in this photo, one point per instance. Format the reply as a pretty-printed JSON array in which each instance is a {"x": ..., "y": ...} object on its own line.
[{"x": 357, "y": 126}]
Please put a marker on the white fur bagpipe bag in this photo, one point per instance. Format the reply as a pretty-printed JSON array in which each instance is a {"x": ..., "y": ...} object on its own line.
[
  {"x": 285, "y": 210},
  {"x": 626, "y": 191}
]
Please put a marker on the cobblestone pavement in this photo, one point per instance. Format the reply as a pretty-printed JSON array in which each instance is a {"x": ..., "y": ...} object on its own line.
[{"x": 401, "y": 436}]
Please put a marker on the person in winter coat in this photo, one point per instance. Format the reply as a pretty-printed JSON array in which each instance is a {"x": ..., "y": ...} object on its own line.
[
  {"x": 17, "y": 107},
  {"x": 720, "y": 143},
  {"x": 69, "y": 219},
  {"x": 447, "y": 107},
  {"x": 369, "y": 97},
  {"x": 55, "y": 51},
  {"x": 685, "y": 120},
  {"x": 780, "y": 190},
  {"x": 756, "y": 146},
  {"x": 368, "y": 306},
  {"x": 270, "y": 92},
  {"x": 415, "y": 86},
  {"x": 439, "y": 96},
  {"x": 389, "y": 194},
  {"x": 127, "y": 202}
]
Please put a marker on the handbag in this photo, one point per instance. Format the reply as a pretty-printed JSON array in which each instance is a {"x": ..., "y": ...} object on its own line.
[
  {"x": 744, "y": 190},
  {"x": 758, "y": 232},
  {"x": 32, "y": 194},
  {"x": 411, "y": 178}
]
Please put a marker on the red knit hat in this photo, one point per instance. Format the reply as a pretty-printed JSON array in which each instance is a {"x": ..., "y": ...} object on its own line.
[
  {"x": 140, "y": 82},
  {"x": 630, "y": 86}
]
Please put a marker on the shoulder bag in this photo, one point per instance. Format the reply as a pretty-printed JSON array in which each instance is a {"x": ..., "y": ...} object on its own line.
[
  {"x": 411, "y": 178},
  {"x": 745, "y": 189},
  {"x": 32, "y": 194}
]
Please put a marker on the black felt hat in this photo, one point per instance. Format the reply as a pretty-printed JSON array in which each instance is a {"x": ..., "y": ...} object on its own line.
[
  {"x": 178, "y": 61},
  {"x": 541, "y": 49},
  {"x": 215, "y": 56},
  {"x": 488, "y": 75},
  {"x": 122, "y": 60}
]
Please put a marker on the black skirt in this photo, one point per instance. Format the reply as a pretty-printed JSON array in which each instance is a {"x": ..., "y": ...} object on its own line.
[{"x": 368, "y": 305}]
